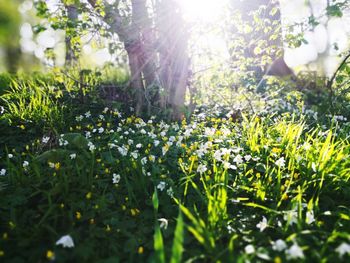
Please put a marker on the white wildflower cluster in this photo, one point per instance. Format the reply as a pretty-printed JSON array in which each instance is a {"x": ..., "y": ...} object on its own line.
[{"x": 62, "y": 141}]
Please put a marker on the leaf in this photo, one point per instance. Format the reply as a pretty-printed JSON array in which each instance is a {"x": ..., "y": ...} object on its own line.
[
  {"x": 177, "y": 248},
  {"x": 158, "y": 244}
]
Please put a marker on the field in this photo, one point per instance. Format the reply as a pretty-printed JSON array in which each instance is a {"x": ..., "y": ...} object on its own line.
[{"x": 91, "y": 182}]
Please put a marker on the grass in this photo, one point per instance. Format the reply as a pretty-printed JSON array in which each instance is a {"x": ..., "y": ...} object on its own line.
[{"x": 273, "y": 187}]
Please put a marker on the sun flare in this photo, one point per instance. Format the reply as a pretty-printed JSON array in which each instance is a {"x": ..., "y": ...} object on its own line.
[{"x": 207, "y": 10}]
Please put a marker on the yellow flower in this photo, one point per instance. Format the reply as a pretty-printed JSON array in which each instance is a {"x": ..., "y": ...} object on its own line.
[
  {"x": 140, "y": 250},
  {"x": 2, "y": 253},
  {"x": 57, "y": 166},
  {"x": 50, "y": 255},
  {"x": 134, "y": 211},
  {"x": 78, "y": 215},
  {"x": 88, "y": 195},
  {"x": 277, "y": 260},
  {"x": 276, "y": 150},
  {"x": 61, "y": 205},
  {"x": 22, "y": 127}
]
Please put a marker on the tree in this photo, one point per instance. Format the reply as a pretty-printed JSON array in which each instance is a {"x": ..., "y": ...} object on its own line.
[{"x": 9, "y": 34}]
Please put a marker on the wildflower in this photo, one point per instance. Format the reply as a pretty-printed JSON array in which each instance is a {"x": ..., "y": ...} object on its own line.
[
  {"x": 238, "y": 159},
  {"x": 79, "y": 118},
  {"x": 2, "y": 171},
  {"x": 152, "y": 158},
  {"x": 144, "y": 160},
  {"x": 78, "y": 215},
  {"x": 294, "y": 252},
  {"x": 217, "y": 155},
  {"x": 279, "y": 245},
  {"x": 65, "y": 241},
  {"x": 161, "y": 186},
  {"x": 140, "y": 250},
  {"x": 163, "y": 223},
  {"x": 343, "y": 249},
  {"x": 280, "y": 162},
  {"x": 10, "y": 155},
  {"x": 87, "y": 114},
  {"x": 291, "y": 217},
  {"x": 170, "y": 192},
  {"x": 116, "y": 178},
  {"x": 91, "y": 146},
  {"x": 101, "y": 130},
  {"x": 50, "y": 255},
  {"x": 156, "y": 143},
  {"x": 262, "y": 225},
  {"x": 123, "y": 151},
  {"x": 202, "y": 168},
  {"x": 73, "y": 156},
  {"x": 139, "y": 145},
  {"x": 45, "y": 139},
  {"x": 57, "y": 166},
  {"x": 249, "y": 249},
  {"x": 247, "y": 157},
  {"x": 310, "y": 217},
  {"x": 25, "y": 164},
  {"x": 135, "y": 154}
]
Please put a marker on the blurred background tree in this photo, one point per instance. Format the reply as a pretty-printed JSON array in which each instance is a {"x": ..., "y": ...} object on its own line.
[{"x": 10, "y": 21}]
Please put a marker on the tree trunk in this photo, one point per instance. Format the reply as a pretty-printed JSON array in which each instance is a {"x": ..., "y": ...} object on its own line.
[{"x": 72, "y": 16}]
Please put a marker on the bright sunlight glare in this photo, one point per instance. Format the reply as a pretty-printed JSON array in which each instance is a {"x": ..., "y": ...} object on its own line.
[{"x": 204, "y": 10}]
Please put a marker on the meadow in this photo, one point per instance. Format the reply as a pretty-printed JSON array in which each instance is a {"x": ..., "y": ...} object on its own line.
[{"x": 91, "y": 182}]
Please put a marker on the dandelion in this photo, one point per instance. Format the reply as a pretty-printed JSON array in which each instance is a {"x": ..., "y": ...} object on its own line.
[
  {"x": 249, "y": 249},
  {"x": 280, "y": 162},
  {"x": 116, "y": 178},
  {"x": 65, "y": 241},
  {"x": 343, "y": 249},
  {"x": 2, "y": 172},
  {"x": 294, "y": 252},
  {"x": 279, "y": 245},
  {"x": 73, "y": 156},
  {"x": 262, "y": 225},
  {"x": 163, "y": 223},
  {"x": 161, "y": 186}
]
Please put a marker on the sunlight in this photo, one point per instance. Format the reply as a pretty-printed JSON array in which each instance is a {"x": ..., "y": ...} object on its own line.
[{"x": 204, "y": 10}]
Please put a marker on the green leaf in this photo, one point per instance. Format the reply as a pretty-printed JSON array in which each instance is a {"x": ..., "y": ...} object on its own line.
[{"x": 177, "y": 248}]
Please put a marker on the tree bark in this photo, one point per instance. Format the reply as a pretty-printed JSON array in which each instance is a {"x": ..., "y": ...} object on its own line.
[{"x": 72, "y": 15}]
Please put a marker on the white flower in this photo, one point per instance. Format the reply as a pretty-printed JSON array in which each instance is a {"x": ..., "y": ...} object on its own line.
[
  {"x": 65, "y": 241},
  {"x": 156, "y": 143},
  {"x": 170, "y": 192},
  {"x": 310, "y": 217},
  {"x": 279, "y": 245},
  {"x": 123, "y": 151},
  {"x": 91, "y": 146},
  {"x": 202, "y": 168},
  {"x": 139, "y": 145},
  {"x": 79, "y": 118},
  {"x": 291, "y": 217},
  {"x": 116, "y": 178},
  {"x": 161, "y": 186},
  {"x": 25, "y": 164},
  {"x": 87, "y": 114},
  {"x": 294, "y": 252},
  {"x": 280, "y": 162},
  {"x": 249, "y": 249},
  {"x": 163, "y": 223},
  {"x": 217, "y": 155},
  {"x": 45, "y": 139},
  {"x": 238, "y": 159},
  {"x": 152, "y": 158},
  {"x": 262, "y": 225},
  {"x": 130, "y": 142},
  {"x": 135, "y": 154},
  {"x": 73, "y": 156},
  {"x": 343, "y": 249},
  {"x": 101, "y": 130},
  {"x": 10, "y": 155},
  {"x": 2, "y": 171},
  {"x": 144, "y": 160},
  {"x": 247, "y": 157}
]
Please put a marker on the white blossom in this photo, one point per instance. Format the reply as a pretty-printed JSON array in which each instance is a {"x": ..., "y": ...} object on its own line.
[
  {"x": 294, "y": 252},
  {"x": 279, "y": 245},
  {"x": 343, "y": 249},
  {"x": 202, "y": 168},
  {"x": 116, "y": 178},
  {"x": 262, "y": 225},
  {"x": 73, "y": 156},
  {"x": 65, "y": 241},
  {"x": 161, "y": 186},
  {"x": 2, "y": 171},
  {"x": 249, "y": 249},
  {"x": 163, "y": 223},
  {"x": 280, "y": 162}
]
